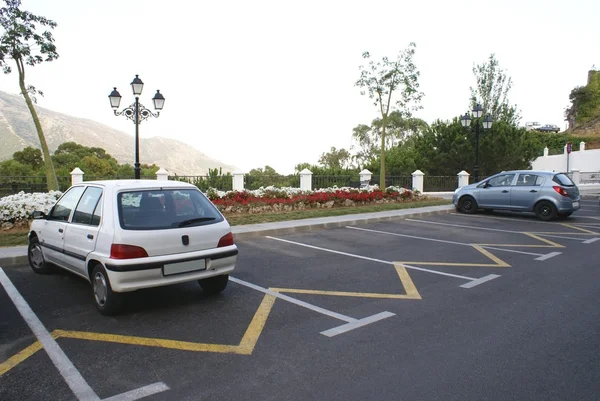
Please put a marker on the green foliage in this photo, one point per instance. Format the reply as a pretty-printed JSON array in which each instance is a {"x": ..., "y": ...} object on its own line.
[
  {"x": 586, "y": 99},
  {"x": 31, "y": 157},
  {"x": 267, "y": 176},
  {"x": 492, "y": 87},
  {"x": 14, "y": 168},
  {"x": 381, "y": 81},
  {"x": 336, "y": 159}
]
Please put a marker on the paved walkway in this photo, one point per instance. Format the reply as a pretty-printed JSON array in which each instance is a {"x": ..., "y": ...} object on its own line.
[{"x": 17, "y": 255}]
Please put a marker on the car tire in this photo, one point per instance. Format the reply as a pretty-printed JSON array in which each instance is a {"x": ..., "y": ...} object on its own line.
[
  {"x": 467, "y": 204},
  {"x": 545, "y": 210},
  {"x": 107, "y": 301},
  {"x": 214, "y": 285},
  {"x": 36, "y": 259}
]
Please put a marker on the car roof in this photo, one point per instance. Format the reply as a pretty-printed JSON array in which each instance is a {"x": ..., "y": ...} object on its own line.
[
  {"x": 140, "y": 184},
  {"x": 540, "y": 172}
]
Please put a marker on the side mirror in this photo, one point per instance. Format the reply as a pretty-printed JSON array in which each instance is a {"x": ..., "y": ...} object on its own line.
[{"x": 39, "y": 215}]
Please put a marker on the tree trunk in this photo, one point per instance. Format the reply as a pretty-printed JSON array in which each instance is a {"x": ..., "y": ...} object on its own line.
[
  {"x": 382, "y": 168},
  {"x": 51, "y": 180}
]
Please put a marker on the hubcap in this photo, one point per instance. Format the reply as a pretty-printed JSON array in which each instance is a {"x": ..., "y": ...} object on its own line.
[
  {"x": 100, "y": 289},
  {"x": 36, "y": 256},
  {"x": 545, "y": 211},
  {"x": 467, "y": 205}
]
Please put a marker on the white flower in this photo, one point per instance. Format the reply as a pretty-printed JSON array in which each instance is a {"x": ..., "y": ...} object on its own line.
[{"x": 22, "y": 205}]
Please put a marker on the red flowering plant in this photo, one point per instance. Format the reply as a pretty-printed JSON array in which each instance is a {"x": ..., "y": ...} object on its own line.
[{"x": 272, "y": 199}]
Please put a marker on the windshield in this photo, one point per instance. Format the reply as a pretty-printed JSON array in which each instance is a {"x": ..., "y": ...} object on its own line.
[
  {"x": 164, "y": 209},
  {"x": 564, "y": 180}
]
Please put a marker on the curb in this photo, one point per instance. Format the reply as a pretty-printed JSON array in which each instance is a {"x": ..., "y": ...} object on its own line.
[
  {"x": 254, "y": 231},
  {"x": 292, "y": 226}
]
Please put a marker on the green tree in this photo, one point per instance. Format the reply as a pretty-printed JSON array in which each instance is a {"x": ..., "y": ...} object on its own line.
[
  {"x": 336, "y": 159},
  {"x": 30, "y": 157},
  {"x": 491, "y": 90},
  {"x": 94, "y": 162},
  {"x": 586, "y": 99},
  {"x": 13, "y": 168},
  {"x": 22, "y": 43},
  {"x": 381, "y": 80}
]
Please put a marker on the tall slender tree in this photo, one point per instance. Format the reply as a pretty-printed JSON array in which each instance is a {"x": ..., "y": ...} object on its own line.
[
  {"x": 382, "y": 80},
  {"x": 22, "y": 42}
]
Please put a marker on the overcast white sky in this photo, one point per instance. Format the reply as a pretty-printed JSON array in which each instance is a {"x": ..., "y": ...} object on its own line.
[{"x": 266, "y": 82}]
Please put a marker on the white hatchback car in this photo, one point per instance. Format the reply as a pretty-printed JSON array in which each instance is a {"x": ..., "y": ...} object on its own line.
[{"x": 125, "y": 235}]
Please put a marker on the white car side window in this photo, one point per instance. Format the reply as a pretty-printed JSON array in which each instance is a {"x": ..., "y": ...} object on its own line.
[{"x": 66, "y": 204}]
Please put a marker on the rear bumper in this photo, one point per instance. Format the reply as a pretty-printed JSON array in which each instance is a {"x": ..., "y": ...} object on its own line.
[
  {"x": 135, "y": 274},
  {"x": 569, "y": 206}
]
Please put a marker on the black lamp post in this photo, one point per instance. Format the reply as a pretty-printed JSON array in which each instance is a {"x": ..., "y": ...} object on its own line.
[
  {"x": 136, "y": 113},
  {"x": 465, "y": 121}
]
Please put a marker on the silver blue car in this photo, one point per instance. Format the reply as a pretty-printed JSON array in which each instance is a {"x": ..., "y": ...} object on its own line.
[{"x": 547, "y": 194}]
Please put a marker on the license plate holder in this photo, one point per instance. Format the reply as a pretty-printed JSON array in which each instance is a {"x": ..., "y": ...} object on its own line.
[{"x": 184, "y": 267}]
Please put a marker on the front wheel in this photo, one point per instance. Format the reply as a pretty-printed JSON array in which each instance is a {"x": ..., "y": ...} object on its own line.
[
  {"x": 36, "y": 259},
  {"x": 545, "y": 211},
  {"x": 468, "y": 205},
  {"x": 214, "y": 285},
  {"x": 107, "y": 302}
]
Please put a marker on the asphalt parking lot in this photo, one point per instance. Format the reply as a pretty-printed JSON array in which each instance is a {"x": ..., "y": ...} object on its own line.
[{"x": 449, "y": 307}]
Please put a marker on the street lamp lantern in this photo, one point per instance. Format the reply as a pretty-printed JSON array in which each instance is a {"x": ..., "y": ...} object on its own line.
[
  {"x": 115, "y": 99},
  {"x": 477, "y": 111},
  {"x": 159, "y": 100},
  {"x": 487, "y": 122},
  {"x": 137, "y": 113},
  {"x": 137, "y": 85},
  {"x": 465, "y": 121}
]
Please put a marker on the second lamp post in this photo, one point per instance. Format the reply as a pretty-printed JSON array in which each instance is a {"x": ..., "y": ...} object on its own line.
[
  {"x": 136, "y": 113},
  {"x": 465, "y": 121}
]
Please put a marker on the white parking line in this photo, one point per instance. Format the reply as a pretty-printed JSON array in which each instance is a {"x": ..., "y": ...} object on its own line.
[
  {"x": 464, "y": 226},
  {"x": 379, "y": 260},
  {"x": 351, "y": 323},
  {"x": 74, "y": 379},
  {"x": 549, "y": 255},
  {"x": 480, "y": 281},
  {"x": 443, "y": 241},
  {"x": 522, "y": 220},
  {"x": 589, "y": 241}
]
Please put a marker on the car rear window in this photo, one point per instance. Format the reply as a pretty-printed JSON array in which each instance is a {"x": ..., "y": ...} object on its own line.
[
  {"x": 563, "y": 179},
  {"x": 165, "y": 209}
]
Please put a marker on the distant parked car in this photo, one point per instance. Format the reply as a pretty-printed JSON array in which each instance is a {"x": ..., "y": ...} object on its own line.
[
  {"x": 533, "y": 125},
  {"x": 548, "y": 128},
  {"x": 125, "y": 235},
  {"x": 548, "y": 194}
]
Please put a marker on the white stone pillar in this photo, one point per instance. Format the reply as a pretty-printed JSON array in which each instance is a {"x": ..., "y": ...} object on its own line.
[
  {"x": 576, "y": 176},
  {"x": 306, "y": 180},
  {"x": 365, "y": 177},
  {"x": 581, "y": 146},
  {"x": 162, "y": 174},
  {"x": 463, "y": 178},
  {"x": 238, "y": 181},
  {"x": 76, "y": 176},
  {"x": 417, "y": 181},
  {"x": 546, "y": 152}
]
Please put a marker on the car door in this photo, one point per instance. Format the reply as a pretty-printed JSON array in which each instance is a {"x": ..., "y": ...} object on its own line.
[
  {"x": 526, "y": 191},
  {"x": 495, "y": 192},
  {"x": 53, "y": 230},
  {"x": 81, "y": 234}
]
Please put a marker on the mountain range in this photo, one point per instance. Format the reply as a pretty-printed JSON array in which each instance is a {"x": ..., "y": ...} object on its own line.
[{"x": 17, "y": 131}]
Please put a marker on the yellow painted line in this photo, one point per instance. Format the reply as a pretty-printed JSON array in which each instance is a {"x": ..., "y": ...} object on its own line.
[
  {"x": 257, "y": 325},
  {"x": 407, "y": 283},
  {"x": 547, "y": 241},
  {"x": 19, "y": 357},
  {"x": 499, "y": 262},
  {"x": 22, "y": 355},
  {"x": 579, "y": 228}
]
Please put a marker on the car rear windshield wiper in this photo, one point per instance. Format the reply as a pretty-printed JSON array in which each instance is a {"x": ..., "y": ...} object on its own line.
[{"x": 186, "y": 223}]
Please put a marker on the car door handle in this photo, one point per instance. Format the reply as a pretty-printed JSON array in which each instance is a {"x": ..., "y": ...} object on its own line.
[
  {"x": 505, "y": 191},
  {"x": 60, "y": 230},
  {"x": 90, "y": 236},
  {"x": 533, "y": 190}
]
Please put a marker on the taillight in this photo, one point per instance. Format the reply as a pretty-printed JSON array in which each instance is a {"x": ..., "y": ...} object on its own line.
[
  {"x": 226, "y": 240},
  {"x": 120, "y": 251},
  {"x": 560, "y": 190}
]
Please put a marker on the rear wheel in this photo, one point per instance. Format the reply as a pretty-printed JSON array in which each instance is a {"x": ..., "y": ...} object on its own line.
[
  {"x": 107, "y": 302},
  {"x": 214, "y": 285},
  {"x": 467, "y": 205},
  {"x": 37, "y": 262},
  {"x": 545, "y": 210}
]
